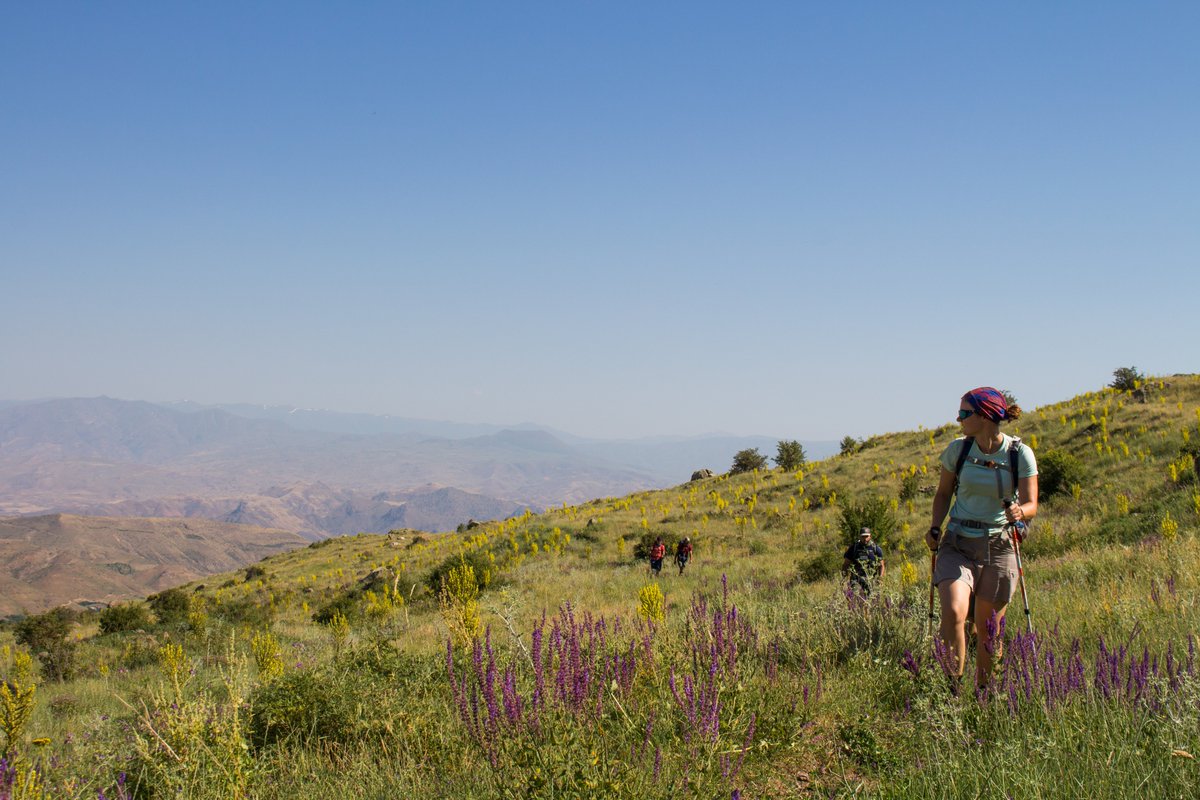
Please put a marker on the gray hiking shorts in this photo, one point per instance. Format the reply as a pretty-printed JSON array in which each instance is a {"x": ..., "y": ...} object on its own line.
[{"x": 987, "y": 564}]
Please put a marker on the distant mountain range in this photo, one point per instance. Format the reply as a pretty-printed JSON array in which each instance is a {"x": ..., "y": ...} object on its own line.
[
  {"x": 317, "y": 472},
  {"x": 61, "y": 559}
]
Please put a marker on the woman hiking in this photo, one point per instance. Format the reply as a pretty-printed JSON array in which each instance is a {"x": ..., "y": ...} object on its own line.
[{"x": 993, "y": 480}]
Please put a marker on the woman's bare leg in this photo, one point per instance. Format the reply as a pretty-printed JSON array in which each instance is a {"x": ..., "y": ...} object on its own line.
[{"x": 955, "y": 596}]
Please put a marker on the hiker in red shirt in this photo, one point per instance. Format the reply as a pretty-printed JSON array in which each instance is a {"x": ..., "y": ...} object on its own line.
[{"x": 657, "y": 551}]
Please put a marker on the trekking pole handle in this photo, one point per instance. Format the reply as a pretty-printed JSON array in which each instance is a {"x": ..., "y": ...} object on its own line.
[{"x": 1019, "y": 526}]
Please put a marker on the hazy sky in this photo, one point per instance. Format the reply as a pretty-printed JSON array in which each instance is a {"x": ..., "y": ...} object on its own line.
[{"x": 617, "y": 218}]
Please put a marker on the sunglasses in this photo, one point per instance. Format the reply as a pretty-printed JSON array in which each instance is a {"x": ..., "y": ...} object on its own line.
[{"x": 963, "y": 413}]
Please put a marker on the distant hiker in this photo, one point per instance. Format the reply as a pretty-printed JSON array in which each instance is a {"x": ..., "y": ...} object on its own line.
[
  {"x": 682, "y": 553},
  {"x": 657, "y": 551},
  {"x": 975, "y": 558},
  {"x": 863, "y": 561}
]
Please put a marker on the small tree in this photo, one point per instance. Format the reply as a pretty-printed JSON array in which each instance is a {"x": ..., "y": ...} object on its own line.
[
  {"x": 874, "y": 513},
  {"x": 1126, "y": 379},
  {"x": 748, "y": 460},
  {"x": 46, "y": 636},
  {"x": 849, "y": 445},
  {"x": 790, "y": 455}
]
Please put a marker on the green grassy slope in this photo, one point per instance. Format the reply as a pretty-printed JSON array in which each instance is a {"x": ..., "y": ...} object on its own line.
[{"x": 761, "y": 677}]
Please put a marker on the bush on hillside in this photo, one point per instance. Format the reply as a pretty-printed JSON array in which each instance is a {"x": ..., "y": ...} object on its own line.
[
  {"x": 874, "y": 513},
  {"x": 910, "y": 484},
  {"x": 171, "y": 606},
  {"x": 243, "y": 611},
  {"x": 641, "y": 549},
  {"x": 849, "y": 445},
  {"x": 789, "y": 455},
  {"x": 125, "y": 617},
  {"x": 822, "y": 566},
  {"x": 46, "y": 637},
  {"x": 316, "y": 706},
  {"x": 747, "y": 460},
  {"x": 478, "y": 561},
  {"x": 1126, "y": 379},
  {"x": 1057, "y": 472}
]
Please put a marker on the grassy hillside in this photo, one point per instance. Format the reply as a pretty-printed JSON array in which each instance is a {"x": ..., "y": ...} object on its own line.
[{"x": 553, "y": 666}]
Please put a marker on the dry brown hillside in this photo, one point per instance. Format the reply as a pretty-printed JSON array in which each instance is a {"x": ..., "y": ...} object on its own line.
[{"x": 61, "y": 558}]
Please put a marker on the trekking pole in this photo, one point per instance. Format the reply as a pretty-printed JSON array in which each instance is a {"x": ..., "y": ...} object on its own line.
[{"x": 1015, "y": 535}]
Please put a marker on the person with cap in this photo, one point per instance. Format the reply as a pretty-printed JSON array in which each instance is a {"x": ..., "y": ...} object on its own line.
[
  {"x": 863, "y": 561},
  {"x": 683, "y": 551},
  {"x": 992, "y": 478}
]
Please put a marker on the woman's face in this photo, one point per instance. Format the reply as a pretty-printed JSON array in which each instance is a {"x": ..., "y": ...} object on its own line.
[{"x": 971, "y": 424}]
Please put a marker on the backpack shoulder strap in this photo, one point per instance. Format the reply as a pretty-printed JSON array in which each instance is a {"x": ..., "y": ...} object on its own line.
[
  {"x": 1014, "y": 450},
  {"x": 962, "y": 458}
]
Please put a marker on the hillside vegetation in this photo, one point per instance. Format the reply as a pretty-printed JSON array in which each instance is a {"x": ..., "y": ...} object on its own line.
[{"x": 538, "y": 658}]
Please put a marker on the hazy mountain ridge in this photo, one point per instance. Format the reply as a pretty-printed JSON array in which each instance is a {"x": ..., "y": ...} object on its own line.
[{"x": 107, "y": 456}]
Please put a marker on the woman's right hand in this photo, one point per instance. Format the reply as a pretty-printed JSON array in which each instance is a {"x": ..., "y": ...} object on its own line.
[{"x": 932, "y": 537}]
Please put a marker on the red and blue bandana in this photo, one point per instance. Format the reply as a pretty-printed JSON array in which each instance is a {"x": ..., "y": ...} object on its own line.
[{"x": 988, "y": 402}]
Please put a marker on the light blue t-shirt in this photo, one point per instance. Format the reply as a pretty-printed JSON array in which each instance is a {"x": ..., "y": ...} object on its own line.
[{"x": 986, "y": 481}]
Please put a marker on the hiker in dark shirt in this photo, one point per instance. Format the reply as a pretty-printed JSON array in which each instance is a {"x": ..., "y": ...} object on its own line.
[
  {"x": 863, "y": 561},
  {"x": 683, "y": 552}
]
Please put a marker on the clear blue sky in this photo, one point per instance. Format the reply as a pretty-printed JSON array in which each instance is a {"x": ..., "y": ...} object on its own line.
[{"x": 619, "y": 219}]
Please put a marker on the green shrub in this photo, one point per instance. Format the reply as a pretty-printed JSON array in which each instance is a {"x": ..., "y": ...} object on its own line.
[
  {"x": 327, "y": 705},
  {"x": 909, "y": 485},
  {"x": 46, "y": 637},
  {"x": 1058, "y": 470},
  {"x": 243, "y": 611},
  {"x": 849, "y": 445},
  {"x": 254, "y": 571},
  {"x": 789, "y": 455},
  {"x": 822, "y": 566},
  {"x": 476, "y": 559},
  {"x": 875, "y": 513},
  {"x": 125, "y": 617},
  {"x": 747, "y": 460},
  {"x": 171, "y": 607},
  {"x": 140, "y": 651},
  {"x": 347, "y": 605}
]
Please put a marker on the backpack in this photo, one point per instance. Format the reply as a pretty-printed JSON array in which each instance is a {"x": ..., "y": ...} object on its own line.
[{"x": 1014, "y": 448}]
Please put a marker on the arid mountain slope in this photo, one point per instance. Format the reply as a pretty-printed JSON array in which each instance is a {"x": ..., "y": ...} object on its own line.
[{"x": 61, "y": 558}]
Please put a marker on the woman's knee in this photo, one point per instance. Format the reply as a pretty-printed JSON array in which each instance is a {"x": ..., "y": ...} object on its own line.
[{"x": 955, "y": 598}]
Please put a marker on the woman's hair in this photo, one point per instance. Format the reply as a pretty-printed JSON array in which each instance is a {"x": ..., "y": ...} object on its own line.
[{"x": 1013, "y": 412}]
